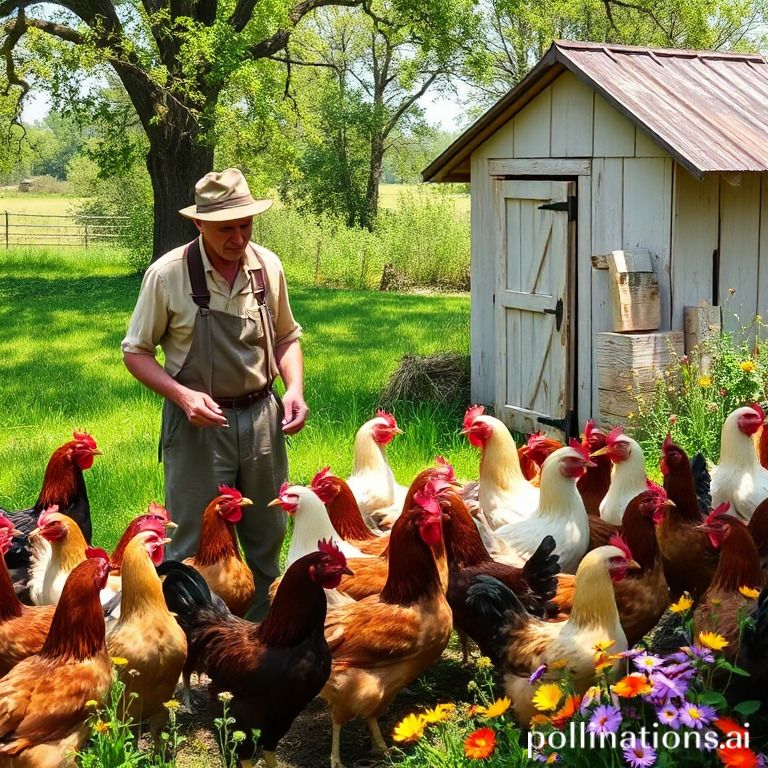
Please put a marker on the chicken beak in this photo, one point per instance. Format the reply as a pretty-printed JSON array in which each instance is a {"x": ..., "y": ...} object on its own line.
[
  {"x": 398, "y": 431},
  {"x": 14, "y": 532},
  {"x": 633, "y": 565},
  {"x": 669, "y": 504},
  {"x": 96, "y": 452},
  {"x": 275, "y": 502},
  {"x": 170, "y": 524},
  {"x": 165, "y": 541},
  {"x": 36, "y": 532},
  {"x": 600, "y": 452},
  {"x": 245, "y": 502},
  {"x": 589, "y": 464},
  {"x": 347, "y": 571}
]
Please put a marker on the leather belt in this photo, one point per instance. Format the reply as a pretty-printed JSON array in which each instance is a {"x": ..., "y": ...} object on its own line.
[{"x": 244, "y": 401}]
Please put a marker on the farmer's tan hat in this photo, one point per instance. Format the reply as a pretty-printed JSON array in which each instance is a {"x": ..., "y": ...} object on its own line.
[{"x": 224, "y": 197}]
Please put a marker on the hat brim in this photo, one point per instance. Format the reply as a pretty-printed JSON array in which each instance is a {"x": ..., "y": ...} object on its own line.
[{"x": 228, "y": 214}]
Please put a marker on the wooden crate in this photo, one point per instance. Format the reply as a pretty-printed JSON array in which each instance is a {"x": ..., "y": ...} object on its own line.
[
  {"x": 635, "y": 300},
  {"x": 631, "y": 364}
]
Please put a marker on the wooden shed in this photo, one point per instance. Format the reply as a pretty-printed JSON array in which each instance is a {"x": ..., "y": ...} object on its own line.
[{"x": 600, "y": 148}]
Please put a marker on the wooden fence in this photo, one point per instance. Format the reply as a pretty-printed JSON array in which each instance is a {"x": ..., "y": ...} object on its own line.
[{"x": 44, "y": 229}]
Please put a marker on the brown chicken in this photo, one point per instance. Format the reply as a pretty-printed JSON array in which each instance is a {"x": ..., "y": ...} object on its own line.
[
  {"x": 383, "y": 642},
  {"x": 534, "y": 584},
  {"x": 147, "y": 634},
  {"x": 641, "y": 596},
  {"x": 43, "y": 710},
  {"x": 595, "y": 483},
  {"x": 758, "y": 530},
  {"x": 533, "y": 454},
  {"x": 739, "y": 566},
  {"x": 218, "y": 556},
  {"x": 687, "y": 554},
  {"x": 23, "y": 629},
  {"x": 273, "y": 669},
  {"x": 345, "y": 514}
]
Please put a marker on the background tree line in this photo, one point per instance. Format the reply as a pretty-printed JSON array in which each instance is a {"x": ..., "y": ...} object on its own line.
[{"x": 317, "y": 99}]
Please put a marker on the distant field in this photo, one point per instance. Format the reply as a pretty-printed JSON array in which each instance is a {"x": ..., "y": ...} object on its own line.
[
  {"x": 389, "y": 194},
  {"x": 19, "y": 202}
]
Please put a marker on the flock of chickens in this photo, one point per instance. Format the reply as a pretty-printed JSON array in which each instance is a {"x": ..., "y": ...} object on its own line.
[{"x": 554, "y": 549}]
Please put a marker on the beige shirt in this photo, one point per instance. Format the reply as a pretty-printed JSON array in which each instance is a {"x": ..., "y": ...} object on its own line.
[{"x": 165, "y": 313}]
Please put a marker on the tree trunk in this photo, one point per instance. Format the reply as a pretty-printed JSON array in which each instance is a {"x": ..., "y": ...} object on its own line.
[
  {"x": 374, "y": 177},
  {"x": 175, "y": 163}
]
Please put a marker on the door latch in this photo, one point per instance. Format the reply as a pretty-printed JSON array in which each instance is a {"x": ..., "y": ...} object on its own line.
[{"x": 558, "y": 313}]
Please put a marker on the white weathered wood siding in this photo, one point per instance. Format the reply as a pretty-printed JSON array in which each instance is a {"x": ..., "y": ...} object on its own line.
[{"x": 636, "y": 197}]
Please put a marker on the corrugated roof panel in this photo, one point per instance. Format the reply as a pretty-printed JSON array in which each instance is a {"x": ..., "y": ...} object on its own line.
[{"x": 708, "y": 109}]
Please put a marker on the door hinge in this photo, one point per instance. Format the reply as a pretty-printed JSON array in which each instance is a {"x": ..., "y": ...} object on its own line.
[
  {"x": 567, "y": 424},
  {"x": 567, "y": 206}
]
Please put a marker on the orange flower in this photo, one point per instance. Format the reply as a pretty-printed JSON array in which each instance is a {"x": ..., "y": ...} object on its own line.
[
  {"x": 567, "y": 711},
  {"x": 480, "y": 744},
  {"x": 632, "y": 685},
  {"x": 737, "y": 757},
  {"x": 728, "y": 726},
  {"x": 539, "y": 720}
]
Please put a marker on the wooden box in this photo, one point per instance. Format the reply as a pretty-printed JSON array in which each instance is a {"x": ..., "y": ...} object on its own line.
[
  {"x": 635, "y": 301},
  {"x": 629, "y": 365}
]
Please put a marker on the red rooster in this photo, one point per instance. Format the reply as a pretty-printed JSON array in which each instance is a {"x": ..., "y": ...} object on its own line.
[
  {"x": 23, "y": 629},
  {"x": 595, "y": 483},
  {"x": 43, "y": 699},
  {"x": 63, "y": 485},
  {"x": 382, "y": 643},
  {"x": 218, "y": 556},
  {"x": 273, "y": 669}
]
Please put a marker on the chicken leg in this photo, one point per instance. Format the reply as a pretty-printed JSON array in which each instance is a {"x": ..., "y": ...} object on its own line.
[{"x": 378, "y": 745}]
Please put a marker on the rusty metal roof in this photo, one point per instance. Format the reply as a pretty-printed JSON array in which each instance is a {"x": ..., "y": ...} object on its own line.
[{"x": 708, "y": 109}]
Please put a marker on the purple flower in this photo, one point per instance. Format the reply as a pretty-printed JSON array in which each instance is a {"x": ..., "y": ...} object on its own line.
[
  {"x": 631, "y": 653},
  {"x": 645, "y": 662},
  {"x": 696, "y": 715},
  {"x": 688, "y": 652},
  {"x": 664, "y": 687},
  {"x": 684, "y": 671},
  {"x": 537, "y": 674},
  {"x": 639, "y": 755},
  {"x": 668, "y": 715},
  {"x": 606, "y": 719}
]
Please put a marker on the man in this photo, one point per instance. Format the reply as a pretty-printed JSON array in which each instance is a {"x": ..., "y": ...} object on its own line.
[{"x": 218, "y": 307}]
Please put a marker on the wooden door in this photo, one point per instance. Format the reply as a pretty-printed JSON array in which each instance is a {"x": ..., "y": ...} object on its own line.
[{"x": 536, "y": 222}]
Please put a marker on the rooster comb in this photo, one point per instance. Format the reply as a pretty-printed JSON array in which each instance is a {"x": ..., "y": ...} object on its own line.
[
  {"x": 155, "y": 509},
  {"x": 5, "y": 522},
  {"x": 95, "y": 553},
  {"x": 656, "y": 493},
  {"x": 756, "y": 407},
  {"x": 388, "y": 417},
  {"x": 444, "y": 468},
  {"x": 320, "y": 477},
  {"x": 590, "y": 428},
  {"x": 327, "y": 547},
  {"x": 46, "y": 513},
  {"x": 471, "y": 415},
  {"x": 577, "y": 446},
  {"x": 614, "y": 435},
  {"x": 86, "y": 440},
  {"x": 717, "y": 514},
  {"x": 667, "y": 444},
  {"x": 427, "y": 497},
  {"x": 619, "y": 543},
  {"x": 232, "y": 493}
]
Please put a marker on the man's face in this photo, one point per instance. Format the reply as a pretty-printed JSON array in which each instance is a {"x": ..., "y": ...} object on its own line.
[{"x": 226, "y": 239}]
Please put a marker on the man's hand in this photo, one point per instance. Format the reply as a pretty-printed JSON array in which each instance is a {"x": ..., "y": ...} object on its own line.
[
  {"x": 202, "y": 410},
  {"x": 296, "y": 412}
]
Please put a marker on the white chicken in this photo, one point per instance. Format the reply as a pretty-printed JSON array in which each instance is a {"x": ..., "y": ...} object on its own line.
[
  {"x": 560, "y": 512},
  {"x": 504, "y": 494},
  {"x": 520, "y": 643},
  {"x": 310, "y": 525},
  {"x": 628, "y": 478},
  {"x": 739, "y": 478},
  {"x": 372, "y": 481}
]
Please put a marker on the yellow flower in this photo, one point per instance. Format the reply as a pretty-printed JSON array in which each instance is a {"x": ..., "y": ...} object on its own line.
[
  {"x": 558, "y": 664},
  {"x": 225, "y": 697},
  {"x": 603, "y": 661},
  {"x": 119, "y": 661},
  {"x": 747, "y": 366},
  {"x": 713, "y": 640},
  {"x": 551, "y": 759},
  {"x": 171, "y": 705},
  {"x": 539, "y": 720},
  {"x": 682, "y": 605},
  {"x": 440, "y": 713},
  {"x": 750, "y": 592},
  {"x": 410, "y": 728},
  {"x": 483, "y": 663},
  {"x": 499, "y": 707},
  {"x": 547, "y": 697},
  {"x": 101, "y": 727},
  {"x": 91, "y": 703},
  {"x": 603, "y": 645},
  {"x": 705, "y": 382}
]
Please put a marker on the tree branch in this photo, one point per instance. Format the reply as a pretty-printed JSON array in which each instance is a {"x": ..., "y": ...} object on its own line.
[
  {"x": 409, "y": 102},
  {"x": 57, "y": 30},
  {"x": 297, "y": 63}
]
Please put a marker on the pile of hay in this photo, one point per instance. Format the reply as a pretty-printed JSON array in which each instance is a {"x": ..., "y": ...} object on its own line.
[{"x": 442, "y": 378}]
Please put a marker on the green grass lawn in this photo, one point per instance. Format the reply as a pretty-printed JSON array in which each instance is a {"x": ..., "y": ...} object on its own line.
[
  {"x": 64, "y": 316},
  {"x": 29, "y": 202}
]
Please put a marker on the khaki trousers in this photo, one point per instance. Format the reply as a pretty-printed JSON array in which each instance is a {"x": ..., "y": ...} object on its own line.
[{"x": 251, "y": 456}]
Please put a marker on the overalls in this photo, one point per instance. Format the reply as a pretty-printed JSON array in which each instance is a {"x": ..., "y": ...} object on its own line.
[{"x": 250, "y": 455}]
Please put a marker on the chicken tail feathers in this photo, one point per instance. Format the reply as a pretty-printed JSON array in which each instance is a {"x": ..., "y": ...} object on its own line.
[
  {"x": 701, "y": 481},
  {"x": 186, "y": 592},
  {"x": 540, "y": 572},
  {"x": 754, "y": 641}
]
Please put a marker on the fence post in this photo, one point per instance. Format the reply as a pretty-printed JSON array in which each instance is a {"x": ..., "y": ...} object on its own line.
[
  {"x": 86, "y": 234},
  {"x": 7, "y": 243}
]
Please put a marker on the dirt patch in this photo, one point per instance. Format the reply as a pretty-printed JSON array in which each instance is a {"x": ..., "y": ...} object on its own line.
[{"x": 308, "y": 743}]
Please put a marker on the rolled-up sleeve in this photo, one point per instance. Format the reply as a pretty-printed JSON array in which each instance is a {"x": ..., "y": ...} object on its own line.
[
  {"x": 149, "y": 321},
  {"x": 286, "y": 327}
]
